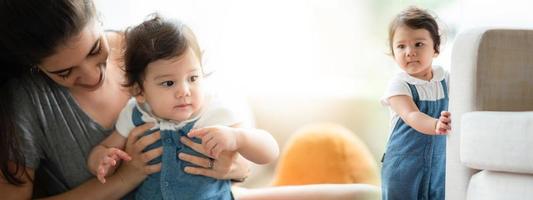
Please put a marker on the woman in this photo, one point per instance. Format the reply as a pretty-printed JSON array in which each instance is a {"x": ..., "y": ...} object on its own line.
[{"x": 60, "y": 73}]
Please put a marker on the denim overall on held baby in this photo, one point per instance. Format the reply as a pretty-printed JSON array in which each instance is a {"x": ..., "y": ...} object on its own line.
[
  {"x": 172, "y": 182},
  {"x": 414, "y": 163}
]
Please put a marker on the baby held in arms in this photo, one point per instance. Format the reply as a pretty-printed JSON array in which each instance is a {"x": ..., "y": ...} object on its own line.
[{"x": 164, "y": 71}]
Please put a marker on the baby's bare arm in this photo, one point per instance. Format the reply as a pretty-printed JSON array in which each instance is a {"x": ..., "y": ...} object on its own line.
[
  {"x": 100, "y": 151},
  {"x": 256, "y": 145},
  {"x": 406, "y": 108}
]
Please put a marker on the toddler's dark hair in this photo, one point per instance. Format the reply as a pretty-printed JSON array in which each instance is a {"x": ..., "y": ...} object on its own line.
[{"x": 416, "y": 18}]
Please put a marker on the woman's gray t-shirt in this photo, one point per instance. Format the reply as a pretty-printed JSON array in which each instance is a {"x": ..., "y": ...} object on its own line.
[{"x": 57, "y": 135}]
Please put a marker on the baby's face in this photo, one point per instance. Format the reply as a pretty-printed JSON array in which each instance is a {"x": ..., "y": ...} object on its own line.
[
  {"x": 413, "y": 51},
  {"x": 173, "y": 87}
]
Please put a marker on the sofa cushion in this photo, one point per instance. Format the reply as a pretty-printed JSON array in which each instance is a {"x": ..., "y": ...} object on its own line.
[
  {"x": 488, "y": 185},
  {"x": 499, "y": 141}
]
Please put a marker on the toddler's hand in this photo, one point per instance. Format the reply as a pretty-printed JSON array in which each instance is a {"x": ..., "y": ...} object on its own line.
[
  {"x": 111, "y": 158},
  {"x": 216, "y": 139},
  {"x": 444, "y": 123}
]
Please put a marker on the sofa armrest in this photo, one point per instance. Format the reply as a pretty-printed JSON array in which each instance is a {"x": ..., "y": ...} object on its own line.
[
  {"x": 491, "y": 185},
  {"x": 498, "y": 141}
]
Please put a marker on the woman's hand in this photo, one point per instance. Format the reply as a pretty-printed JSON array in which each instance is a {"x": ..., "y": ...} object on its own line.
[
  {"x": 228, "y": 165},
  {"x": 137, "y": 169}
]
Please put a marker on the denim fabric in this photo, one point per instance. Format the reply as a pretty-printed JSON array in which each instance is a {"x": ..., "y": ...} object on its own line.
[
  {"x": 172, "y": 182},
  {"x": 414, "y": 163}
]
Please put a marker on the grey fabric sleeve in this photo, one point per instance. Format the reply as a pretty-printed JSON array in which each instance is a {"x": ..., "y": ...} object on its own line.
[{"x": 27, "y": 124}]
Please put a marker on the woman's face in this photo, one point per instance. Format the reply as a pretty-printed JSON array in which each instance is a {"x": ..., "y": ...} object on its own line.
[{"x": 79, "y": 64}]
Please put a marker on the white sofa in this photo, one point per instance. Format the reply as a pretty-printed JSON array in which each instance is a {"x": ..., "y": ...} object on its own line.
[{"x": 490, "y": 148}]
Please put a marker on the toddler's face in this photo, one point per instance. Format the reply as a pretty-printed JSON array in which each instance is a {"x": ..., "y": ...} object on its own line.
[
  {"x": 413, "y": 51},
  {"x": 173, "y": 87}
]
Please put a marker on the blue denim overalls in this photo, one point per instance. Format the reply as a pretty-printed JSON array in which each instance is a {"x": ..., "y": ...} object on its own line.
[
  {"x": 172, "y": 182},
  {"x": 414, "y": 163}
]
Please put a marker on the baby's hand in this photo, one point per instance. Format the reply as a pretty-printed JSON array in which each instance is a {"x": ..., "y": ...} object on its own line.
[
  {"x": 216, "y": 139},
  {"x": 444, "y": 123},
  {"x": 111, "y": 158}
]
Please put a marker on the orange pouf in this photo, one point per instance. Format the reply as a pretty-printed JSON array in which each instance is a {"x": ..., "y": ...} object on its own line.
[{"x": 325, "y": 153}]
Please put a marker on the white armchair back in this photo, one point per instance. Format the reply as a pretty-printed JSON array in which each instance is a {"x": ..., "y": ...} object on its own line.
[{"x": 491, "y": 70}]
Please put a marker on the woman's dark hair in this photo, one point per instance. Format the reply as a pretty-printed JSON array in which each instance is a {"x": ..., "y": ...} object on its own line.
[
  {"x": 155, "y": 39},
  {"x": 30, "y": 30},
  {"x": 416, "y": 18}
]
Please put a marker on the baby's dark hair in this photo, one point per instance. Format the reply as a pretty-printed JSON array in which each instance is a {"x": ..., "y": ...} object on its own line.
[
  {"x": 155, "y": 39},
  {"x": 416, "y": 18}
]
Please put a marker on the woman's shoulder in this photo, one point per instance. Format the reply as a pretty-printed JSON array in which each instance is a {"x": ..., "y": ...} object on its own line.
[
  {"x": 35, "y": 91},
  {"x": 116, "y": 42},
  {"x": 32, "y": 84},
  {"x": 115, "y": 38}
]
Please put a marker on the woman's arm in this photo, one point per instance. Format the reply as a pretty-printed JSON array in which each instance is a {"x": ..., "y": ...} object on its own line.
[
  {"x": 92, "y": 189},
  {"x": 406, "y": 108},
  {"x": 127, "y": 177},
  {"x": 117, "y": 186}
]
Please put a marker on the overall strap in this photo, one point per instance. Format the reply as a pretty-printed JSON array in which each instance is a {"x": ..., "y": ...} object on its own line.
[
  {"x": 136, "y": 116},
  {"x": 444, "y": 87},
  {"x": 187, "y": 128},
  {"x": 414, "y": 92}
]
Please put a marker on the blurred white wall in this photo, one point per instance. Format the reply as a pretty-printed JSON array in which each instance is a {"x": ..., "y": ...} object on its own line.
[
  {"x": 496, "y": 13},
  {"x": 296, "y": 47},
  {"x": 309, "y": 47}
]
